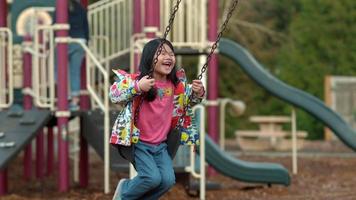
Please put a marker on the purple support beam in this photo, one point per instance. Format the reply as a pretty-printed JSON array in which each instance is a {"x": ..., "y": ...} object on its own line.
[
  {"x": 84, "y": 105},
  {"x": 137, "y": 22},
  {"x": 3, "y": 172},
  {"x": 40, "y": 138},
  {"x": 3, "y": 13},
  {"x": 27, "y": 162},
  {"x": 213, "y": 74},
  {"x": 62, "y": 94},
  {"x": 27, "y": 75},
  {"x": 40, "y": 155},
  {"x": 50, "y": 151},
  {"x": 83, "y": 154},
  {"x": 3, "y": 182},
  {"x": 3, "y": 23},
  {"x": 84, "y": 3},
  {"x": 27, "y": 103},
  {"x": 151, "y": 16},
  {"x": 137, "y": 27},
  {"x": 40, "y": 148}
]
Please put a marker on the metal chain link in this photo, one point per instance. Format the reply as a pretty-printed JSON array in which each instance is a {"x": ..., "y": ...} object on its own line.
[
  {"x": 213, "y": 47},
  {"x": 171, "y": 19},
  {"x": 205, "y": 66},
  {"x": 159, "y": 51},
  {"x": 168, "y": 28}
]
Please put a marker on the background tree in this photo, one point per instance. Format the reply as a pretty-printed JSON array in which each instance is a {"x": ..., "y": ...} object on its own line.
[
  {"x": 321, "y": 42},
  {"x": 298, "y": 41}
]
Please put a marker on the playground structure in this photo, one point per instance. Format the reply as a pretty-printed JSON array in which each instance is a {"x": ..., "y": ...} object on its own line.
[
  {"x": 114, "y": 42},
  {"x": 340, "y": 96}
]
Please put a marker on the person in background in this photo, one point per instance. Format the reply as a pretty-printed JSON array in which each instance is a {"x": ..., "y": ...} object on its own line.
[{"x": 79, "y": 29}]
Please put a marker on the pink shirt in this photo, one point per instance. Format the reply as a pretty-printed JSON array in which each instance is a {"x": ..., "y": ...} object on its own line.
[{"x": 155, "y": 117}]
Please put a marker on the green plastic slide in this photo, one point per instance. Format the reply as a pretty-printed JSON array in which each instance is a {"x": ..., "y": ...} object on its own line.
[
  {"x": 252, "y": 172},
  {"x": 292, "y": 95}
]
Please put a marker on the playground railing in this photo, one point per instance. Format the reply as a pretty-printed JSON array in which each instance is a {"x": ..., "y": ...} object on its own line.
[
  {"x": 189, "y": 29},
  {"x": 199, "y": 110},
  {"x": 100, "y": 53},
  {"x": 138, "y": 40},
  {"x": 44, "y": 78},
  {"x": 96, "y": 73},
  {"x": 6, "y": 71},
  {"x": 43, "y": 62},
  {"x": 111, "y": 20},
  {"x": 44, "y": 65},
  {"x": 190, "y": 24}
]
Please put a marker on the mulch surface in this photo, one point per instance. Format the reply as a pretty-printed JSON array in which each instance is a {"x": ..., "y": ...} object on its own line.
[{"x": 319, "y": 178}]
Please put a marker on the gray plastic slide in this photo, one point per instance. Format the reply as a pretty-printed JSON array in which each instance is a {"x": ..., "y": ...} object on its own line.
[
  {"x": 253, "y": 172},
  {"x": 292, "y": 95}
]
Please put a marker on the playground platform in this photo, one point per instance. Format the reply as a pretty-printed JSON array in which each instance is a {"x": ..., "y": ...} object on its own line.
[{"x": 18, "y": 128}]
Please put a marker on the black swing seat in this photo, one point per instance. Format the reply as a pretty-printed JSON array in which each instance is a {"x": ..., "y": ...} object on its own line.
[{"x": 173, "y": 142}]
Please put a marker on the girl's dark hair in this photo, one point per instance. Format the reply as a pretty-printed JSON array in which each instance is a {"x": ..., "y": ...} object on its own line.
[{"x": 146, "y": 64}]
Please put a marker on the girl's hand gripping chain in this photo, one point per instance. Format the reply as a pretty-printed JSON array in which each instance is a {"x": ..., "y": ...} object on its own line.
[
  {"x": 145, "y": 83},
  {"x": 198, "y": 88}
]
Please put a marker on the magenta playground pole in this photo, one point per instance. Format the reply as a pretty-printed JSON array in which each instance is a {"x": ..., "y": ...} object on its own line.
[
  {"x": 3, "y": 182},
  {"x": 50, "y": 151},
  {"x": 27, "y": 74},
  {"x": 3, "y": 172},
  {"x": 3, "y": 13},
  {"x": 40, "y": 140},
  {"x": 137, "y": 28},
  {"x": 84, "y": 105},
  {"x": 40, "y": 155},
  {"x": 27, "y": 103},
  {"x": 137, "y": 22},
  {"x": 213, "y": 76},
  {"x": 83, "y": 154},
  {"x": 62, "y": 103},
  {"x": 151, "y": 18}
]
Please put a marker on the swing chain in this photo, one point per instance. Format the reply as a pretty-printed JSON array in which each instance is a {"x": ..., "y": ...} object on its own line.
[
  {"x": 168, "y": 28},
  {"x": 159, "y": 51},
  {"x": 215, "y": 45},
  {"x": 171, "y": 19},
  {"x": 205, "y": 66}
]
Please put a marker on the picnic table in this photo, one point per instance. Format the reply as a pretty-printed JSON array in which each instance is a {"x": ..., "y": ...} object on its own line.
[{"x": 270, "y": 127}]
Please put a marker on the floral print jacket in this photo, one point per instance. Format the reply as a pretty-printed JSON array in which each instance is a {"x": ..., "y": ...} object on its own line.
[{"x": 125, "y": 91}]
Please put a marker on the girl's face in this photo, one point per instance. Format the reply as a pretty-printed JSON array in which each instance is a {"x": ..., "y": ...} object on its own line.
[{"x": 166, "y": 62}]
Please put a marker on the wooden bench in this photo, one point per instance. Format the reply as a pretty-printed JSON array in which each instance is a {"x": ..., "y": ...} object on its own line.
[{"x": 270, "y": 134}]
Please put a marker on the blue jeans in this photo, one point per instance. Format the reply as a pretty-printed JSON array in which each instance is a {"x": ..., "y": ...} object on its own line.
[
  {"x": 75, "y": 56},
  {"x": 155, "y": 174}
]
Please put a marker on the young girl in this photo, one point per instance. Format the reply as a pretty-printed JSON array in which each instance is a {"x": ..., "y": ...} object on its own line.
[{"x": 154, "y": 104}]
